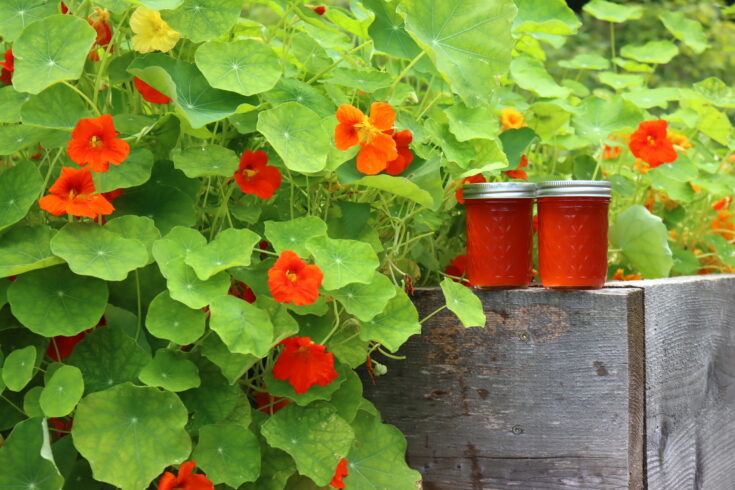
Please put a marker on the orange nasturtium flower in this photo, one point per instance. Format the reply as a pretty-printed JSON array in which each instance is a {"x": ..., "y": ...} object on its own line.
[
  {"x": 722, "y": 203},
  {"x": 620, "y": 276},
  {"x": 152, "y": 33},
  {"x": 291, "y": 280},
  {"x": 679, "y": 140},
  {"x": 474, "y": 179},
  {"x": 95, "y": 143},
  {"x": 610, "y": 152},
  {"x": 723, "y": 225},
  {"x": 518, "y": 173},
  {"x": 98, "y": 20},
  {"x": 303, "y": 364},
  {"x": 6, "y": 76},
  {"x": 73, "y": 193},
  {"x": 149, "y": 93},
  {"x": 405, "y": 157},
  {"x": 340, "y": 473},
  {"x": 511, "y": 119},
  {"x": 650, "y": 143},
  {"x": 355, "y": 128},
  {"x": 185, "y": 480},
  {"x": 255, "y": 176}
]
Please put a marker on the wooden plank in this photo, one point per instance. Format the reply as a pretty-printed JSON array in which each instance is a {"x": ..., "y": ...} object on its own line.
[{"x": 543, "y": 397}]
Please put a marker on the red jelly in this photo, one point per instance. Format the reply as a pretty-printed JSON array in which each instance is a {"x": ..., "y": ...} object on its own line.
[
  {"x": 499, "y": 234},
  {"x": 572, "y": 233}
]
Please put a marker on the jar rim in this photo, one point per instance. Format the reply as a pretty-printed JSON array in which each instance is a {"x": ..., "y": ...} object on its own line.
[
  {"x": 574, "y": 188},
  {"x": 499, "y": 190}
]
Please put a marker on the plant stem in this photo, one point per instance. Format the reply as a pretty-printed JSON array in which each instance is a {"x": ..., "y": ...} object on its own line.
[
  {"x": 432, "y": 314},
  {"x": 612, "y": 46},
  {"x": 140, "y": 307},
  {"x": 13, "y": 404},
  {"x": 406, "y": 70},
  {"x": 340, "y": 60},
  {"x": 91, "y": 104}
]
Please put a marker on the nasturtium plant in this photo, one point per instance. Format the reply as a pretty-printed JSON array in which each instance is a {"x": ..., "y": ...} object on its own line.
[{"x": 213, "y": 214}]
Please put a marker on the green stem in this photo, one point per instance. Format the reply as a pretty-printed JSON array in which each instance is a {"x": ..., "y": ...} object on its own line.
[
  {"x": 91, "y": 104},
  {"x": 13, "y": 405},
  {"x": 432, "y": 314},
  {"x": 140, "y": 306},
  {"x": 406, "y": 70},
  {"x": 612, "y": 46},
  {"x": 340, "y": 60}
]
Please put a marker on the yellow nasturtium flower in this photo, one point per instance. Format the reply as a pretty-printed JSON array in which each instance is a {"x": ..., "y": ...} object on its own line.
[
  {"x": 511, "y": 119},
  {"x": 152, "y": 33}
]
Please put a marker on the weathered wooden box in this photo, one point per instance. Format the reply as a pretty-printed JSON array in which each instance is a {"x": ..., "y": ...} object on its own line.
[{"x": 632, "y": 386}]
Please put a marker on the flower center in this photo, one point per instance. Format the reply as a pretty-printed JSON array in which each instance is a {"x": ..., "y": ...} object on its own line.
[
  {"x": 366, "y": 131},
  {"x": 651, "y": 140},
  {"x": 95, "y": 141},
  {"x": 250, "y": 173},
  {"x": 292, "y": 276}
]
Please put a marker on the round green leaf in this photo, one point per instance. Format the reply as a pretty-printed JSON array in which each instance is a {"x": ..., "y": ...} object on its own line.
[
  {"x": 464, "y": 303},
  {"x": 366, "y": 300},
  {"x": 17, "y": 137},
  {"x": 230, "y": 248},
  {"x": 469, "y": 41},
  {"x": 597, "y": 118},
  {"x": 228, "y": 453},
  {"x": 26, "y": 459},
  {"x": 42, "y": 59},
  {"x": 20, "y": 186},
  {"x": 291, "y": 90},
  {"x": 613, "y": 12},
  {"x": 246, "y": 66},
  {"x": 91, "y": 250},
  {"x": 686, "y": 30},
  {"x": 586, "y": 62},
  {"x": 243, "y": 327},
  {"x": 468, "y": 123},
  {"x": 167, "y": 205},
  {"x": 26, "y": 248},
  {"x": 174, "y": 321},
  {"x": 134, "y": 171},
  {"x": 315, "y": 437},
  {"x": 343, "y": 261},
  {"x": 367, "y": 81},
  {"x": 202, "y": 20},
  {"x": 171, "y": 371},
  {"x": 31, "y": 405},
  {"x": 378, "y": 456},
  {"x": 395, "y": 324},
  {"x": 297, "y": 135},
  {"x": 138, "y": 228},
  {"x": 131, "y": 434},
  {"x": 18, "y": 368},
  {"x": 643, "y": 238},
  {"x": 71, "y": 303},
  {"x": 716, "y": 92},
  {"x": 388, "y": 31},
  {"x": 215, "y": 400},
  {"x": 348, "y": 398},
  {"x": 10, "y": 103},
  {"x": 399, "y": 186},
  {"x": 545, "y": 16},
  {"x": 531, "y": 74},
  {"x": 206, "y": 161},
  {"x": 56, "y": 107},
  {"x": 108, "y": 356},
  {"x": 233, "y": 366},
  {"x": 653, "y": 97},
  {"x": 62, "y": 392},
  {"x": 15, "y": 15},
  {"x": 659, "y": 52},
  {"x": 620, "y": 81},
  {"x": 293, "y": 234}
]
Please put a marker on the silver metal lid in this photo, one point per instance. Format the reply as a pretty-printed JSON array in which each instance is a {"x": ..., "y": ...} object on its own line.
[
  {"x": 574, "y": 188},
  {"x": 499, "y": 190}
]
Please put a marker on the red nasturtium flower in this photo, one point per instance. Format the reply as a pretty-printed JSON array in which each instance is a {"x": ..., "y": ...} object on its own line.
[
  {"x": 458, "y": 268},
  {"x": 255, "y": 176},
  {"x": 318, "y": 10},
  {"x": 64, "y": 8},
  {"x": 377, "y": 147},
  {"x": 268, "y": 403},
  {"x": 185, "y": 480},
  {"x": 6, "y": 76},
  {"x": 98, "y": 20},
  {"x": 73, "y": 193},
  {"x": 340, "y": 473},
  {"x": 610, "y": 152},
  {"x": 95, "y": 143},
  {"x": 474, "y": 179},
  {"x": 149, "y": 93},
  {"x": 65, "y": 346},
  {"x": 722, "y": 203},
  {"x": 303, "y": 364},
  {"x": 241, "y": 290},
  {"x": 650, "y": 143},
  {"x": 291, "y": 280},
  {"x": 518, "y": 173},
  {"x": 405, "y": 157}
]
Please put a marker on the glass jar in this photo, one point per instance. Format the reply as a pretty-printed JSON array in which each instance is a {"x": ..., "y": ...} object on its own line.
[
  {"x": 572, "y": 233},
  {"x": 499, "y": 234}
]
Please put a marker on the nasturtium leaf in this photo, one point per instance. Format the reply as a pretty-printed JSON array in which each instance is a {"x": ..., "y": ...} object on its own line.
[
  {"x": 230, "y": 248},
  {"x": 685, "y": 29},
  {"x": 308, "y": 54},
  {"x": 42, "y": 59},
  {"x": 530, "y": 74},
  {"x": 347, "y": 398},
  {"x": 206, "y": 161},
  {"x": 15, "y": 15},
  {"x": 115, "y": 6},
  {"x": 632, "y": 66},
  {"x": 394, "y": 325},
  {"x": 613, "y": 12},
  {"x": 91, "y": 250},
  {"x": 388, "y": 31},
  {"x": 215, "y": 399},
  {"x": 17, "y": 137},
  {"x": 586, "y": 62},
  {"x": 712, "y": 122},
  {"x": 10, "y": 103},
  {"x": 659, "y": 52},
  {"x": 20, "y": 186},
  {"x": 168, "y": 319},
  {"x": 355, "y": 22},
  {"x": 62, "y": 392},
  {"x": 468, "y": 41},
  {"x": 171, "y": 371},
  {"x": 244, "y": 66},
  {"x": 134, "y": 171},
  {"x": 515, "y": 142},
  {"x": 716, "y": 92},
  {"x": 315, "y": 437},
  {"x": 283, "y": 389},
  {"x": 228, "y": 453},
  {"x": 130, "y": 434},
  {"x": 161, "y": 4},
  {"x": 233, "y": 366},
  {"x": 138, "y": 228},
  {"x": 597, "y": 118},
  {"x": 464, "y": 303},
  {"x": 26, "y": 459},
  {"x": 290, "y": 90},
  {"x": 31, "y": 405},
  {"x": 643, "y": 238},
  {"x": 108, "y": 356},
  {"x": 71, "y": 303},
  {"x": 367, "y": 81},
  {"x": 18, "y": 368},
  {"x": 620, "y": 81},
  {"x": 400, "y": 186},
  {"x": 366, "y": 300},
  {"x": 26, "y": 248},
  {"x": 243, "y": 327},
  {"x": 468, "y": 123},
  {"x": 202, "y": 20},
  {"x": 275, "y": 469},
  {"x": 378, "y": 456},
  {"x": 293, "y": 234},
  {"x": 57, "y": 107},
  {"x": 297, "y": 135},
  {"x": 682, "y": 170},
  {"x": 652, "y": 97},
  {"x": 545, "y": 16},
  {"x": 343, "y": 261}
]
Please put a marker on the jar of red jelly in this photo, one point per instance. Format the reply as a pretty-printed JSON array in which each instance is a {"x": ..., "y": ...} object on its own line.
[
  {"x": 499, "y": 234},
  {"x": 572, "y": 233}
]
